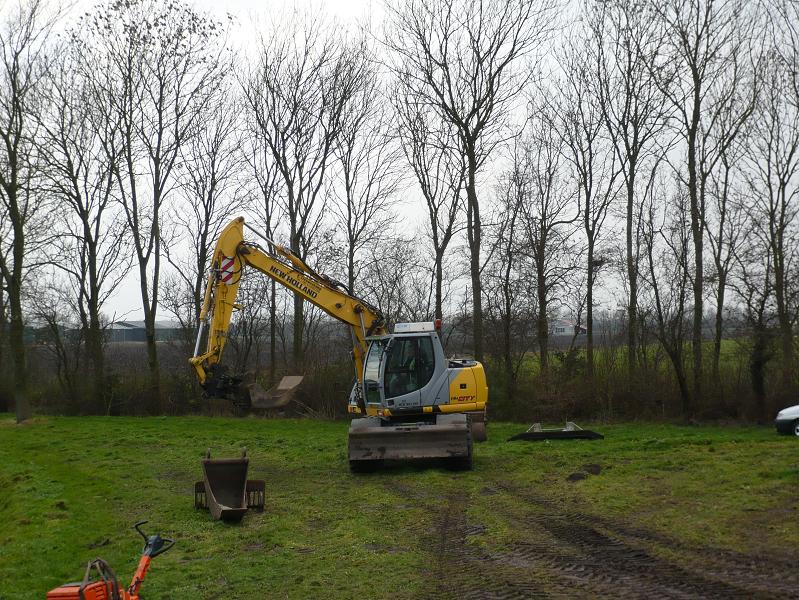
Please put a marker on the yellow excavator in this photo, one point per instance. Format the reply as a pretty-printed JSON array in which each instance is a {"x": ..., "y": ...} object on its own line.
[{"x": 409, "y": 400}]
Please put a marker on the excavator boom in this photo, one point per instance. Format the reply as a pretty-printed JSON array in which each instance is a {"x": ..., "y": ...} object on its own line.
[{"x": 232, "y": 256}]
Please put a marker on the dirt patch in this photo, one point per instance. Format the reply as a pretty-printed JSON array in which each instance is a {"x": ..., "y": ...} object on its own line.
[
  {"x": 603, "y": 557},
  {"x": 567, "y": 554},
  {"x": 592, "y": 469}
]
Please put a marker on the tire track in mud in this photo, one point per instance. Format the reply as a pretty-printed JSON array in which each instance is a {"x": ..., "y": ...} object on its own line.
[
  {"x": 462, "y": 571},
  {"x": 465, "y": 571},
  {"x": 602, "y": 551},
  {"x": 566, "y": 554}
]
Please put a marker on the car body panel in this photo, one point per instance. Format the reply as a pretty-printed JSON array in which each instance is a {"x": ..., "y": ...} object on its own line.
[{"x": 786, "y": 419}]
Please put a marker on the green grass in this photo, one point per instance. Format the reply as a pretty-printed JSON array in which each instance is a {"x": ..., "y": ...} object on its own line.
[
  {"x": 730, "y": 354},
  {"x": 69, "y": 483}
]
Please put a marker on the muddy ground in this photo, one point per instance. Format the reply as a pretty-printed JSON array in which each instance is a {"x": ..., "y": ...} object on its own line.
[{"x": 571, "y": 555}]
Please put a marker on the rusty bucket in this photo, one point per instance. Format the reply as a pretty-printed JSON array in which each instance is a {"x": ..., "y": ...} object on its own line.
[{"x": 225, "y": 490}]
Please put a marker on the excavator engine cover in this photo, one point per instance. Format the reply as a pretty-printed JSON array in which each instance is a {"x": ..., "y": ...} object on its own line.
[{"x": 449, "y": 437}]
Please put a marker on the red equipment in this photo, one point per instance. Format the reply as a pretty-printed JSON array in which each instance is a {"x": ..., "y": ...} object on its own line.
[{"x": 107, "y": 586}]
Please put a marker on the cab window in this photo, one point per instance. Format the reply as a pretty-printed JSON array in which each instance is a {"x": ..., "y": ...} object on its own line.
[
  {"x": 410, "y": 365},
  {"x": 371, "y": 372}
]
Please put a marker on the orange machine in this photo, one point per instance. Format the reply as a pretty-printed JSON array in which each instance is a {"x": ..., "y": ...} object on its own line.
[{"x": 106, "y": 586}]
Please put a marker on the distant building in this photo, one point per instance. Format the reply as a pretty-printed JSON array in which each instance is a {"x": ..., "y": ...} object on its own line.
[
  {"x": 133, "y": 331},
  {"x": 565, "y": 328}
]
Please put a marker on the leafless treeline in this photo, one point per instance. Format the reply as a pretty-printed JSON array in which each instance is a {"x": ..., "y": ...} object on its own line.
[{"x": 629, "y": 167}]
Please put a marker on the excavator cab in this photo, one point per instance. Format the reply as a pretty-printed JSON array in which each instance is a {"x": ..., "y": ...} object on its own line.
[
  {"x": 400, "y": 370},
  {"x": 417, "y": 401}
]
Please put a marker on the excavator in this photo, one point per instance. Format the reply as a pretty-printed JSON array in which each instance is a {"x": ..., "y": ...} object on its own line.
[{"x": 409, "y": 401}]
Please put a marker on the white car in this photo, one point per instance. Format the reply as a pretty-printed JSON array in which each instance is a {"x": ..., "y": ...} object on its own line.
[{"x": 787, "y": 420}]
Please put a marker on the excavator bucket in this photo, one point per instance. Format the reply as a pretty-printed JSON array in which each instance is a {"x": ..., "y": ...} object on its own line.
[
  {"x": 275, "y": 397},
  {"x": 225, "y": 490},
  {"x": 371, "y": 442}
]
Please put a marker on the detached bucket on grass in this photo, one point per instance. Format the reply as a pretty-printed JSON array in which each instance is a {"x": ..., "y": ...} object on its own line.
[{"x": 225, "y": 490}]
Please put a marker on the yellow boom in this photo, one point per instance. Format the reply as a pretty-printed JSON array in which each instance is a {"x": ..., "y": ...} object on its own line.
[{"x": 232, "y": 255}]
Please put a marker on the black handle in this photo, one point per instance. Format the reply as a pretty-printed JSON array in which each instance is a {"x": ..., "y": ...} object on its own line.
[
  {"x": 141, "y": 533},
  {"x": 160, "y": 545},
  {"x": 153, "y": 544}
]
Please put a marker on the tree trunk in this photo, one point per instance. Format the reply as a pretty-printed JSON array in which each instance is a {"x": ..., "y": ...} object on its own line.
[
  {"x": 589, "y": 319},
  {"x": 510, "y": 375},
  {"x": 272, "y": 334},
  {"x": 299, "y": 323},
  {"x": 2, "y": 335},
  {"x": 4, "y": 399},
  {"x": 91, "y": 323},
  {"x": 299, "y": 317},
  {"x": 542, "y": 324},
  {"x": 474, "y": 237},
  {"x": 697, "y": 224},
  {"x": 632, "y": 276},
  {"x": 154, "y": 404},
  {"x": 757, "y": 371},
  {"x": 783, "y": 318},
  {"x": 439, "y": 284},
  {"x": 351, "y": 269},
  {"x": 17, "y": 348},
  {"x": 682, "y": 381},
  {"x": 719, "y": 329},
  {"x": 94, "y": 351}
]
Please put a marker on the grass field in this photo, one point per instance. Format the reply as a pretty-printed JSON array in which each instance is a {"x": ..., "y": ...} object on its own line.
[{"x": 714, "y": 510}]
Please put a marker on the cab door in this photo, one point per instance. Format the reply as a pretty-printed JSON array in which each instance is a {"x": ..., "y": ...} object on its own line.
[
  {"x": 372, "y": 369},
  {"x": 407, "y": 369}
]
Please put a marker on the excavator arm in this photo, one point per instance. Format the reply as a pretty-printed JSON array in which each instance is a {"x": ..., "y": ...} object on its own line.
[{"x": 232, "y": 257}]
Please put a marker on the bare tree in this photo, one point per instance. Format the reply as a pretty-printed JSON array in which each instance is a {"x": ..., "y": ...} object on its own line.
[
  {"x": 369, "y": 170},
  {"x": 460, "y": 57},
  {"x": 298, "y": 92},
  {"x": 246, "y": 336},
  {"x": 634, "y": 112},
  {"x": 79, "y": 151},
  {"x": 24, "y": 34},
  {"x": 724, "y": 226},
  {"x": 701, "y": 68},
  {"x": 210, "y": 194},
  {"x": 596, "y": 166},
  {"x": 753, "y": 283},
  {"x": 396, "y": 281},
  {"x": 549, "y": 212},
  {"x": 439, "y": 168},
  {"x": 267, "y": 182},
  {"x": 509, "y": 295},
  {"x": 667, "y": 243},
  {"x": 772, "y": 177},
  {"x": 61, "y": 335},
  {"x": 160, "y": 65}
]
